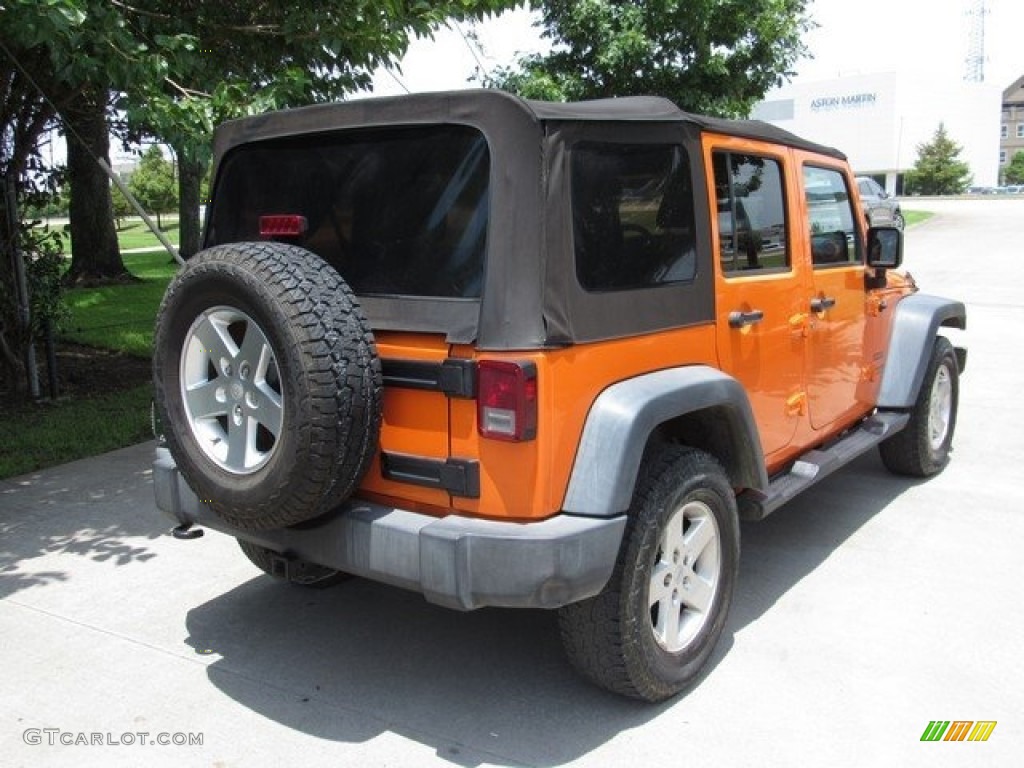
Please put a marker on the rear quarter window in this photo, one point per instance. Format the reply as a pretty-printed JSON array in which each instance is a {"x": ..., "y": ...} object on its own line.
[{"x": 633, "y": 216}]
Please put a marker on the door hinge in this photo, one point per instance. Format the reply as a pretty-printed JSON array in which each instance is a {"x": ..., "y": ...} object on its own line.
[
  {"x": 453, "y": 377},
  {"x": 459, "y": 477}
]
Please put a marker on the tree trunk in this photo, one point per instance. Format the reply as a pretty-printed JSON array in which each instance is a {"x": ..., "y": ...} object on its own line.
[
  {"x": 95, "y": 257},
  {"x": 190, "y": 174}
]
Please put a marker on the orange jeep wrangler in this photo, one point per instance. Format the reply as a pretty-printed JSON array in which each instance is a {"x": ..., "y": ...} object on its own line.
[{"x": 513, "y": 353}]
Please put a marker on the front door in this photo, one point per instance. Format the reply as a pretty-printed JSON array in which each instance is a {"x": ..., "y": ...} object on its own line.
[
  {"x": 759, "y": 288},
  {"x": 836, "y": 365}
]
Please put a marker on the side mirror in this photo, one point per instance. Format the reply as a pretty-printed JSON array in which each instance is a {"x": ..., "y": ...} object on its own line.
[{"x": 885, "y": 247}]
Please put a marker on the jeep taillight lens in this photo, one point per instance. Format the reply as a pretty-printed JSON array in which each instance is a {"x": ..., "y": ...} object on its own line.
[
  {"x": 507, "y": 399},
  {"x": 282, "y": 225}
]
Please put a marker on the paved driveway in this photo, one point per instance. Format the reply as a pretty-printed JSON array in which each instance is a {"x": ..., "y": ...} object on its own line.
[{"x": 866, "y": 609}]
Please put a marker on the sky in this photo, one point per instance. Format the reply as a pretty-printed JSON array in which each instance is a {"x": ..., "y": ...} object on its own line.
[{"x": 853, "y": 37}]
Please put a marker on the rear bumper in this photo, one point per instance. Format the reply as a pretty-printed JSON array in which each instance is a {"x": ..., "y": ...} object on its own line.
[{"x": 458, "y": 562}]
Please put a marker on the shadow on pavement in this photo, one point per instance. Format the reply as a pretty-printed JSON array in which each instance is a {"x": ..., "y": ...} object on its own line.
[
  {"x": 782, "y": 549},
  {"x": 72, "y": 510},
  {"x": 490, "y": 686}
]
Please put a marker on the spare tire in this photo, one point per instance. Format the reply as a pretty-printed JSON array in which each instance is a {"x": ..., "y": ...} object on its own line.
[{"x": 268, "y": 383}]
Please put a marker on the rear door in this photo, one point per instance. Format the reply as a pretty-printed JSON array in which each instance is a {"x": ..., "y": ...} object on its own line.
[{"x": 760, "y": 286}]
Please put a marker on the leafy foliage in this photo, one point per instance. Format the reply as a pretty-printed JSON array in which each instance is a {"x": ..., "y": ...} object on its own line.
[
  {"x": 154, "y": 182},
  {"x": 1014, "y": 173},
  {"x": 709, "y": 56},
  {"x": 176, "y": 68},
  {"x": 938, "y": 170}
]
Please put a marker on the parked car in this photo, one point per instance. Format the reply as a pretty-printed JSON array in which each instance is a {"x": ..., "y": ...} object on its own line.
[
  {"x": 521, "y": 354},
  {"x": 879, "y": 206}
]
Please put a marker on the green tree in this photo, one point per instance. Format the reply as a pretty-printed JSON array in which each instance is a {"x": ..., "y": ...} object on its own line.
[
  {"x": 939, "y": 169},
  {"x": 714, "y": 57},
  {"x": 154, "y": 183},
  {"x": 244, "y": 58},
  {"x": 121, "y": 208},
  {"x": 178, "y": 67},
  {"x": 1014, "y": 173}
]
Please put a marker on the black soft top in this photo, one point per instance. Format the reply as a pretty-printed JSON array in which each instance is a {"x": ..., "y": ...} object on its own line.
[
  {"x": 429, "y": 107},
  {"x": 530, "y": 296}
]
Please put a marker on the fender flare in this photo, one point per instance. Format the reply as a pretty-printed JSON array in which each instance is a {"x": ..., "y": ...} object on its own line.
[
  {"x": 917, "y": 322},
  {"x": 623, "y": 417}
]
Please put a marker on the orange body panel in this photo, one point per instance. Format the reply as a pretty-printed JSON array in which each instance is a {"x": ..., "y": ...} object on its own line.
[{"x": 528, "y": 480}]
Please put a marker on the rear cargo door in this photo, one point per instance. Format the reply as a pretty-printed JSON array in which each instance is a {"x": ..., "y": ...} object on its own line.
[{"x": 414, "y": 460}]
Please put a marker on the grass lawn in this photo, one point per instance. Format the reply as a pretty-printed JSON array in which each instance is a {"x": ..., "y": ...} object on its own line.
[
  {"x": 110, "y": 412},
  {"x": 916, "y": 217},
  {"x": 135, "y": 234},
  {"x": 45, "y": 434},
  {"x": 121, "y": 317}
]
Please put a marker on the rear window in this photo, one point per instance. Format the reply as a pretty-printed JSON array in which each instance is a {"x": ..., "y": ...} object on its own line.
[{"x": 397, "y": 212}]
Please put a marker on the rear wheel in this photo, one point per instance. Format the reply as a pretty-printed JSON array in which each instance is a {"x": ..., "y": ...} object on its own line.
[
  {"x": 291, "y": 570},
  {"x": 652, "y": 630},
  {"x": 922, "y": 448}
]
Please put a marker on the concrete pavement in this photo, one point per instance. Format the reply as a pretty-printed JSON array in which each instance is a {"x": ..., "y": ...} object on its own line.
[{"x": 867, "y": 608}]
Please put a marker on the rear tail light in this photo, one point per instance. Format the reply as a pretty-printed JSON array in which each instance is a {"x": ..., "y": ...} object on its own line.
[
  {"x": 282, "y": 225},
  {"x": 507, "y": 400}
]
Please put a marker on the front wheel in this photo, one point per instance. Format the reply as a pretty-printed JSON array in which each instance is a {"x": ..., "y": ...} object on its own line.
[
  {"x": 922, "y": 448},
  {"x": 651, "y": 631}
]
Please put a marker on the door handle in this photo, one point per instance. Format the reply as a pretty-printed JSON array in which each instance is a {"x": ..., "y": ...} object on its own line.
[
  {"x": 822, "y": 303},
  {"x": 739, "y": 319}
]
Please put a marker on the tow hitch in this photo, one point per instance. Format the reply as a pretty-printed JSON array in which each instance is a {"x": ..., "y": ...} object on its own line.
[{"x": 185, "y": 532}]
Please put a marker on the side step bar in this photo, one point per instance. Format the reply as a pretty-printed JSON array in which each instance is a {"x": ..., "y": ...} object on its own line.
[{"x": 820, "y": 463}]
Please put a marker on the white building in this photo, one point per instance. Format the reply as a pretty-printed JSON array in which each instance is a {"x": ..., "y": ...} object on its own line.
[{"x": 879, "y": 120}]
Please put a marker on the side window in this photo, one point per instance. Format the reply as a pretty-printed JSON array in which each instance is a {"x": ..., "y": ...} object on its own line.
[
  {"x": 833, "y": 230},
  {"x": 751, "y": 213},
  {"x": 633, "y": 217}
]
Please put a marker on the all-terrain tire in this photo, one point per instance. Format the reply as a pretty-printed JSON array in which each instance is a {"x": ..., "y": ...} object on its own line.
[
  {"x": 650, "y": 633},
  {"x": 268, "y": 383},
  {"x": 299, "y": 572},
  {"x": 922, "y": 448}
]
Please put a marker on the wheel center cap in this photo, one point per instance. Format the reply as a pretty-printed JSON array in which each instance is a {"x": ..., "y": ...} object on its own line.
[{"x": 237, "y": 390}]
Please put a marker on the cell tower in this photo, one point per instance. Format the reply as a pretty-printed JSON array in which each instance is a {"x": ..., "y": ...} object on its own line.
[{"x": 974, "y": 70}]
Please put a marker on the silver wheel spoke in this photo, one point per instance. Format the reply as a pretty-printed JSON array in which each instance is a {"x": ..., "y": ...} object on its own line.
[
  {"x": 660, "y": 592},
  {"x": 240, "y": 438},
  {"x": 670, "y": 621},
  {"x": 271, "y": 414},
  {"x": 215, "y": 339},
  {"x": 254, "y": 350},
  {"x": 203, "y": 401},
  {"x": 700, "y": 536},
  {"x": 697, "y": 594}
]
